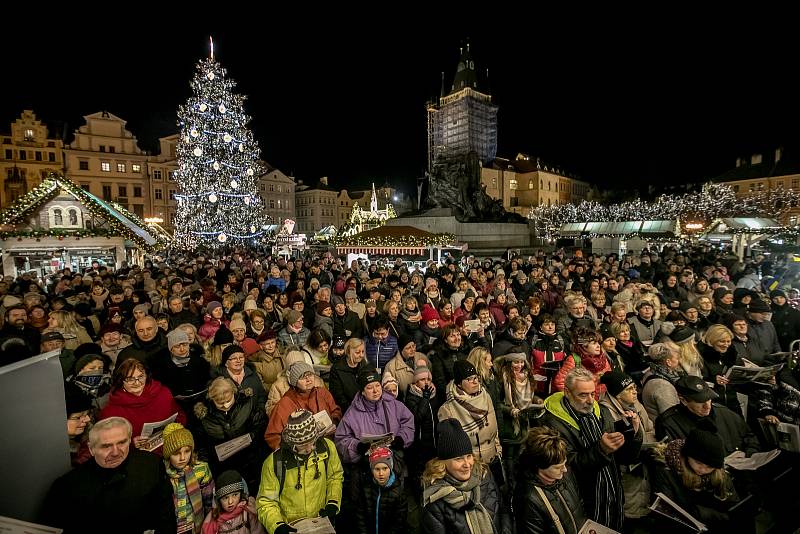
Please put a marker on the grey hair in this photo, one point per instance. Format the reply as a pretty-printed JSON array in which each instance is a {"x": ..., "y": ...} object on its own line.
[
  {"x": 107, "y": 424},
  {"x": 578, "y": 374},
  {"x": 658, "y": 352}
]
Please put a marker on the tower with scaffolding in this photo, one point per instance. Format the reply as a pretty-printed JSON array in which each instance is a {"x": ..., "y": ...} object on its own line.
[{"x": 464, "y": 120}]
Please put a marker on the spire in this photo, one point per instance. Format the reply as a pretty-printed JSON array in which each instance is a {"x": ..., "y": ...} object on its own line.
[
  {"x": 466, "y": 75},
  {"x": 373, "y": 203},
  {"x": 441, "y": 91},
  {"x": 211, "y": 42}
]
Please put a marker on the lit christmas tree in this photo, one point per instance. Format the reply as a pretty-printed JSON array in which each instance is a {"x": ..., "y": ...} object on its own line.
[{"x": 218, "y": 165}]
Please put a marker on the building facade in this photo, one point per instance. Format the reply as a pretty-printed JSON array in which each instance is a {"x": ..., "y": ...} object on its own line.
[
  {"x": 277, "y": 192},
  {"x": 162, "y": 185},
  {"x": 315, "y": 206},
  {"x": 105, "y": 159},
  {"x": 28, "y": 154},
  {"x": 526, "y": 182}
]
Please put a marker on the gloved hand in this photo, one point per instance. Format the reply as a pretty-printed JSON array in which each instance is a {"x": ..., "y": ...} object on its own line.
[
  {"x": 397, "y": 443},
  {"x": 362, "y": 447},
  {"x": 427, "y": 392},
  {"x": 329, "y": 511},
  {"x": 285, "y": 529}
]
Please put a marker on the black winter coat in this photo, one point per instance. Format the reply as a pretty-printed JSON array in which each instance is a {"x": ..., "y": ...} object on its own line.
[
  {"x": 787, "y": 324},
  {"x": 677, "y": 422},
  {"x": 131, "y": 498},
  {"x": 251, "y": 380},
  {"x": 714, "y": 364},
  {"x": 347, "y": 326},
  {"x": 343, "y": 382},
  {"x": 183, "y": 381},
  {"x": 532, "y": 514},
  {"x": 425, "y": 422},
  {"x": 506, "y": 343},
  {"x": 439, "y": 517},
  {"x": 389, "y": 501},
  {"x": 143, "y": 351},
  {"x": 442, "y": 358}
]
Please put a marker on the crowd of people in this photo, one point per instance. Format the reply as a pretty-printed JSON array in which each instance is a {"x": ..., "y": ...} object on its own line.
[{"x": 520, "y": 395}]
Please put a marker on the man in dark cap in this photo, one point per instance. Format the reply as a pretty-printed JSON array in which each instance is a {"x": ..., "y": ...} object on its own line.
[
  {"x": 696, "y": 398},
  {"x": 760, "y": 330}
]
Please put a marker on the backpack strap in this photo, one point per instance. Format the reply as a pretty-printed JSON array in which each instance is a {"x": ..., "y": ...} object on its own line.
[{"x": 280, "y": 463}]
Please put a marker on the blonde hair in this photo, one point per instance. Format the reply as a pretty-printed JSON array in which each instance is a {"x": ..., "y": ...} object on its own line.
[
  {"x": 64, "y": 322},
  {"x": 436, "y": 469},
  {"x": 616, "y": 328},
  {"x": 690, "y": 357},
  {"x": 219, "y": 387},
  {"x": 717, "y": 332},
  {"x": 477, "y": 357},
  {"x": 718, "y": 481}
]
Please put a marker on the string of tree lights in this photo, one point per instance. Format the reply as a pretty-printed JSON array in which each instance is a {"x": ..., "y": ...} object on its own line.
[
  {"x": 711, "y": 202},
  {"x": 218, "y": 166}
]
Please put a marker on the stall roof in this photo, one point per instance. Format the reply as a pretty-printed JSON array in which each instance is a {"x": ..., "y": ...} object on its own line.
[
  {"x": 754, "y": 224},
  {"x": 621, "y": 228}
]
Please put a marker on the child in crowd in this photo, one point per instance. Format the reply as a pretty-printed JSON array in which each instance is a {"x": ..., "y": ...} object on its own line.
[
  {"x": 383, "y": 506},
  {"x": 192, "y": 484},
  {"x": 235, "y": 510}
]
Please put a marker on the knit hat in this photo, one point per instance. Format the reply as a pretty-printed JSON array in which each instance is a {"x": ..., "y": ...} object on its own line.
[
  {"x": 110, "y": 327},
  {"x": 223, "y": 336},
  {"x": 296, "y": 371},
  {"x": 777, "y": 293},
  {"x": 142, "y": 308},
  {"x": 453, "y": 442},
  {"x": 381, "y": 455},
  {"x": 741, "y": 292},
  {"x": 213, "y": 305},
  {"x": 176, "y": 337},
  {"x": 682, "y": 334},
  {"x": 249, "y": 346},
  {"x": 758, "y": 306},
  {"x": 388, "y": 378},
  {"x": 686, "y": 306},
  {"x": 249, "y": 304},
  {"x": 322, "y": 306},
  {"x": 366, "y": 376},
  {"x": 462, "y": 369},
  {"x": 300, "y": 428},
  {"x": 643, "y": 303},
  {"x": 429, "y": 314},
  {"x": 267, "y": 334},
  {"x": 237, "y": 324},
  {"x": 403, "y": 340},
  {"x": 694, "y": 388},
  {"x": 175, "y": 437},
  {"x": 293, "y": 316},
  {"x": 229, "y": 351},
  {"x": 350, "y": 294},
  {"x": 616, "y": 382},
  {"x": 704, "y": 445},
  {"x": 422, "y": 371},
  {"x": 229, "y": 482},
  {"x": 75, "y": 399},
  {"x": 336, "y": 299},
  {"x": 338, "y": 342}
]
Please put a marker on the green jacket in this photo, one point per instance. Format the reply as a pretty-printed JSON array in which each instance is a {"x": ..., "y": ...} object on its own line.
[
  {"x": 276, "y": 507},
  {"x": 554, "y": 406}
]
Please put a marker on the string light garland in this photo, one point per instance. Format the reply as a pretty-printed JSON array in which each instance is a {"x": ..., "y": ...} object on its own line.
[{"x": 218, "y": 165}]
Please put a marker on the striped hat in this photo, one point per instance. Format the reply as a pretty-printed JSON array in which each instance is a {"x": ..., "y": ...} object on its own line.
[{"x": 300, "y": 428}]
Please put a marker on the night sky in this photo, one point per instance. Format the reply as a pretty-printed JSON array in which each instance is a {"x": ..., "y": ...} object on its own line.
[{"x": 621, "y": 98}]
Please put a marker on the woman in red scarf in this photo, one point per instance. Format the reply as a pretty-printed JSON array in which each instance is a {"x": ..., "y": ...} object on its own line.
[
  {"x": 139, "y": 399},
  {"x": 588, "y": 354}
]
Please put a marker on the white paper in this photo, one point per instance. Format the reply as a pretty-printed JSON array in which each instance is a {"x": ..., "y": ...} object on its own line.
[
  {"x": 742, "y": 374},
  {"x": 325, "y": 425},
  {"x": 738, "y": 460},
  {"x": 154, "y": 432},
  {"x": 472, "y": 325},
  {"x": 668, "y": 508},
  {"x": 314, "y": 525},
  {"x": 593, "y": 527},
  {"x": 15, "y": 526},
  {"x": 231, "y": 447}
]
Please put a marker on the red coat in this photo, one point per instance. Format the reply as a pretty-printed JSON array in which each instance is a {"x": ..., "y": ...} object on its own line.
[
  {"x": 597, "y": 366},
  {"x": 153, "y": 405},
  {"x": 314, "y": 401}
]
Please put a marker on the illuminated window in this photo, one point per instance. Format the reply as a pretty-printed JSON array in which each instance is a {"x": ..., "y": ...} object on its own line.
[
  {"x": 512, "y": 183},
  {"x": 120, "y": 167},
  {"x": 530, "y": 184},
  {"x": 29, "y": 134},
  {"x": 135, "y": 167},
  {"x": 105, "y": 166}
]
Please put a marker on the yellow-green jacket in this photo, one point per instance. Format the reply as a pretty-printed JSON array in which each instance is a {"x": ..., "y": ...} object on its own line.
[{"x": 276, "y": 506}]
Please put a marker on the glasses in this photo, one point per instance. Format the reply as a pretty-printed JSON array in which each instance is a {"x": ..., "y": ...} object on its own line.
[
  {"x": 78, "y": 417},
  {"x": 141, "y": 379},
  {"x": 238, "y": 358},
  {"x": 473, "y": 378}
]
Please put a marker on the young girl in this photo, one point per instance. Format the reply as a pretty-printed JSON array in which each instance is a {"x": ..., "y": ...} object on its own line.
[
  {"x": 383, "y": 505},
  {"x": 235, "y": 510},
  {"x": 192, "y": 485}
]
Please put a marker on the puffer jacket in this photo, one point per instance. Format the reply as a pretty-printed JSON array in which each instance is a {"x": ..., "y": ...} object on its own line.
[
  {"x": 382, "y": 509},
  {"x": 533, "y": 516},
  {"x": 319, "y": 476},
  {"x": 438, "y": 517},
  {"x": 364, "y": 417},
  {"x": 442, "y": 358},
  {"x": 315, "y": 401}
]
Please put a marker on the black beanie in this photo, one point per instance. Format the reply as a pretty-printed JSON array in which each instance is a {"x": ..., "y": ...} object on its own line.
[
  {"x": 223, "y": 336},
  {"x": 453, "y": 442},
  {"x": 777, "y": 293},
  {"x": 462, "y": 369},
  {"x": 229, "y": 351},
  {"x": 75, "y": 399},
  {"x": 704, "y": 445},
  {"x": 403, "y": 340},
  {"x": 616, "y": 382},
  {"x": 366, "y": 376}
]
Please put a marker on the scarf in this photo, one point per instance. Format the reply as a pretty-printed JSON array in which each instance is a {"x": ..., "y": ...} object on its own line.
[
  {"x": 594, "y": 363},
  {"x": 187, "y": 496},
  {"x": 94, "y": 384},
  {"x": 459, "y": 495},
  {"x": 519, "y": 395},
  {"x": 240, "y": 513},
  {"x": 180, "y": 362},
  {"x": 606, "y": 505},
  {"x": 416, "y": 390},
  {"x": 660, "y": 370},
  {"x": 473, "y": 411}
]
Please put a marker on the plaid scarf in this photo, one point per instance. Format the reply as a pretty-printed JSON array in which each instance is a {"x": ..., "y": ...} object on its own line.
[
  {"x": 188, "y": 495},
  {"x": 463, "y": 496},
  {"x": 473, "y": 411}
]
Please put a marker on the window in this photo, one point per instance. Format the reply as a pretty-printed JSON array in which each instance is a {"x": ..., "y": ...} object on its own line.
[
  {"x": 280, "y": 189},
  {"x": 9, "y": 154},
  {"x": 159, "y": 194},
  {"x": 530, "y": 184},
  {"x": 156, "y": 174},
  {"x": 137, "y": 191},
  {"x": 51, "y": 156},
  {"x": 795, "y": 183},
  {"x": 171, "y": 175},
  {"x": 172, "y": 194},
  {"x": 112, "y": 149},
  {"x": 58, "y": 217},
  {"x": 135, "y": 167},
  {"x": 105, "y": 166},
  {"x": 23, "y": 155},
  {"x": 84, "y": 186},
  {"x": 102, "y": 148},
  {"x": 272, "y": 187},
  {"x": 279, "y": 203},
  {"x": 106, "y": 192},
  {"x": 38, "y": 155},
  {"x": 73, "y": 217},
  {"x": 263, "y": 187},
  {"x": 512, "y": 184},
  {"x": 272, "y": 203},
  {"x": 83, "y": 165},
  {"x": 120, "y": 167},
  {"x": 29, "y": 134},
  {"x": 123, "y": 191}
]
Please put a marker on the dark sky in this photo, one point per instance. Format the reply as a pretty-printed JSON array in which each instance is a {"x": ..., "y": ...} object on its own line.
[{"x": 622, "y": 98}]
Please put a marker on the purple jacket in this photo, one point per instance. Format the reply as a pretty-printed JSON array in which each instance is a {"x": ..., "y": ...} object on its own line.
[{"x": 364, "y": 417}]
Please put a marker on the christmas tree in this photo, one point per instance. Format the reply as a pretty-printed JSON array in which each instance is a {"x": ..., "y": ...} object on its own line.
[{"x": 218, "y": 165}]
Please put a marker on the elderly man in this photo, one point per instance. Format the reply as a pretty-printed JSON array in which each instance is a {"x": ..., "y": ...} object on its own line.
[
  {"x": 148, "y": 342},
  {"x": 594, "y": 448},
  {"x": 762, "y": 332},
  {"x": 177, "y": 314},
  {"x": 122, "y": 490}
]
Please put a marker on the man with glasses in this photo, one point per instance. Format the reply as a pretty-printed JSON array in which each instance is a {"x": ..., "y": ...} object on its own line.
[
  {"x": 594, "y": 448},
  {"x": 121, "y": 490}
]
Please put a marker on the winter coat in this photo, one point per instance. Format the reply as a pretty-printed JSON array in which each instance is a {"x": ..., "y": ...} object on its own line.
[
  {"x": 402, "y": 370},
  {"x": 113, "y": 352},
  {"x": 763, "y": 336},
  {"x": 781, "y": 400},
  {"x": 380, "y": 352},
  {"x": 250, "y": 381},
  {"x": 31, "y": 336},
  {"x": 267, "y": 366},
  {"x": 438, "y": 517},
  {"x": 598, "y": 366},
  {"x": 344, "y": 383},
  {"x": 746, "y": 349},
  {"x": 506, "y": 343},
  {"x": 632, "y": 356},
  {"x": 323, "y": 323},
  {"x": 217, "y": 427},
  {"x": 184, "y": 381},
  {"x": 319, "y": 476},
  {"x": 786, "y": 321},
  {"x": 381, "y": 509},
  {"x": 644, "y": 331},
  {"x": 483, "y": 435},
  {"x": 658, "y": 394},
  {"x": 533, "y": 516},
  {"x": 291, "y": 339},
  {"x": 128, "y": 499},
  {"x": 315, "y": 401},
  {"x": 281, "y": 386},
  {"x": 677, "y": 422},
  {"x": 442, "y": 357},
  {"x": 347, "y": 325},
  {"x": 364, "y": 417},
  {"x": 143, "y": 351},
  {"x": 153, "y": 405},
  {"x": 425, "y": 423},
  {"x": 244, "y": 522},
  {"x": 209, "y": 328},
  {"x": 716, "y": 364}
]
